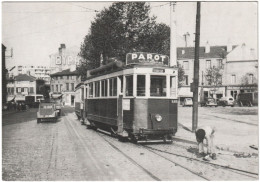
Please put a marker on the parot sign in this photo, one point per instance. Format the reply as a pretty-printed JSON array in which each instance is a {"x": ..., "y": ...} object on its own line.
[{"x": 147, "y": 58}]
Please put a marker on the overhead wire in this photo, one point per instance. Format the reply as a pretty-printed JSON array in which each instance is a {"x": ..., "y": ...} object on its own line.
[
  {"x": 26, "y": 17},
  {"x": 84, "y": 7},
  {"x": 48, "y": 12},
  {"x": 159, "y": 5},
  {"x": 22, "y": 35}
]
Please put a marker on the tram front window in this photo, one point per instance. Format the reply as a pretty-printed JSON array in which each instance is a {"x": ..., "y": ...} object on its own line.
[
  {"x": 140, "y": 85},
  {"x": 129, "y": 85},
  {"x": 158, "y": 86}
]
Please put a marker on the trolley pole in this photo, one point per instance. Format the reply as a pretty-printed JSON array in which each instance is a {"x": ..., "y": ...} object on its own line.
[{"x": 196, "y": 72}]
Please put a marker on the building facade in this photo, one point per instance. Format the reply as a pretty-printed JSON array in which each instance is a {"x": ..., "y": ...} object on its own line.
[
  {"x": 241, "y": 71},
  {"x": 238, "y": 66},
  {"x": 39, "y": 72},
  {"x": 21, "y": 86},
  {"x": 210, "y": 56},
  {"x": 65, "y": 58},
  {"x": 63, "y": 85}
]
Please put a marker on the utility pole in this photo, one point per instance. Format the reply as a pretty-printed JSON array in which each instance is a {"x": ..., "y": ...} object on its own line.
[
  {"x": 173, "y": 41},
  {"x": 196, "y": 71}
]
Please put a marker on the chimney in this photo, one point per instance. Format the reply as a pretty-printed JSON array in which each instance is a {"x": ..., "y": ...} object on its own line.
[
  {"x": 187, "y": 39},
  {"x": 207, "y": 47},
  {"x": 229, "y": 46},
  {"x": 63, "y": 46}
]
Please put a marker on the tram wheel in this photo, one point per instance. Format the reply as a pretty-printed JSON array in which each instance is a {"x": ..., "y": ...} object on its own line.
[
  {"x": 134, "y": 139},
  {"x": 122, "y": 139}
]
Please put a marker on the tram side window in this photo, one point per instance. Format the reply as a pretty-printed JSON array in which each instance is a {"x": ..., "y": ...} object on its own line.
[
  {"x": 129, "y": 85},
  {"x": 158, "y": 86},
  {"x": 91, "y": 90},
  {"x": 97, "y": 89},
  {"x": 140, "y": 85},
  {"x": 104, "y": 88},
  {"x": 122, "y": 83},
  {"x": 112, "y": 86}
]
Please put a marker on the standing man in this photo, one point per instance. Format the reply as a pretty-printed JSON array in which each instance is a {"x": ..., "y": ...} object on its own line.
[
  {"x": 206, "y": 132},
  {"x": 82, "y": 111}
]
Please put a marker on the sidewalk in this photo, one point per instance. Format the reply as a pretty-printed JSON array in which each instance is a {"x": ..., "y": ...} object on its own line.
[
  {"x": 231, "y": 135},
  {"x": 9, "y": 112}
]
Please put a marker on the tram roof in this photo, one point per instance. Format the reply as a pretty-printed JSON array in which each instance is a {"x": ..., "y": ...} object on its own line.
[{"x": 128, "y": 67}]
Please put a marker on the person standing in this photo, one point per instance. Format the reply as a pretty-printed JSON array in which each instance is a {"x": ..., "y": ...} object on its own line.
[
  {"x": 82, "y": 112},
  {"x": 207, "y": 133}
]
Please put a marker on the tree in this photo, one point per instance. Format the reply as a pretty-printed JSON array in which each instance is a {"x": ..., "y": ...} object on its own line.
[
  {"x": 181, "y": 74},
  {"x": 214, "y": 77},
  {"x": 122, "y": 28},
  {"x": 42, "y": 88}
]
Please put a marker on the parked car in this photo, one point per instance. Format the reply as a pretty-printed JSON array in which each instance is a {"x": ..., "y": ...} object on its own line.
[
  {"x": 58, "y": 106},
  {"x": 47, "y": 112},
  {"x": 227, "y": 101},
  {"x": 187, "y": 102},
  {"x": 209, "y": 102}
]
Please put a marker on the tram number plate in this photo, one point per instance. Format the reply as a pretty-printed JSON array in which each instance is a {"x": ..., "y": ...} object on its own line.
[
  {"x": 174, "y": 101},
  {"x": 158, "y": 70},
  {"x": 126, "y": 104}
]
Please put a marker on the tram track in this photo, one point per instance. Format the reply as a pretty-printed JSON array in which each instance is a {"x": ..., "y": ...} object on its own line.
[
  {"x": 161, "y": 154},
  {"x": 102, "y": 134},
  {"x": 235, "y": 170}
]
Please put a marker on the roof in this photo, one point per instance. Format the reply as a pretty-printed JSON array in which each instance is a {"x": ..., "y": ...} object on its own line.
[
  {"x": 189, "y": 52},
  {"x": 65, "y": 73},
  {"x": 24, "y": 77}
]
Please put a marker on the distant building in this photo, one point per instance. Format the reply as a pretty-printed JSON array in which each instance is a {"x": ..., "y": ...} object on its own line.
[
  {"x": 241, "y": 71},
  {"x": 65, "y": 58},
  {"x": 209, "y": 56},
  {"x": 238, "y": 65},
  {"x": 39, "y": 72},
  {"x": 63, "y": 84},
  {"x": 21, "y": 86}
]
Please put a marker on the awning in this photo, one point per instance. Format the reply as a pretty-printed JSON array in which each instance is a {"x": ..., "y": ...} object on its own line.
[
  {"x": 56, "y": 96},
  {"x": 10, "y": 98},
  {"x": 185, "y": 92}
]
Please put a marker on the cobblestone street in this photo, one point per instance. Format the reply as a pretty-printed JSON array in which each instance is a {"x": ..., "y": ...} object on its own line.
[{"x": 66, "y": 150}]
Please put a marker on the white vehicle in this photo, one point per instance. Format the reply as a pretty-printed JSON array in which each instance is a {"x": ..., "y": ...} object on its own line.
[
  {"x": 227, "y": 101},
  {"x": 187, "y": 102}
]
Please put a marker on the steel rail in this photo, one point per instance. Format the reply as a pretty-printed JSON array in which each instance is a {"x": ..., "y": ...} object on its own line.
[{"x": 218, "y": 165}]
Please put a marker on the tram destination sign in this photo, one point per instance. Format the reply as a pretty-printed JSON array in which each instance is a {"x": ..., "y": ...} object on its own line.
[{"x": 147, "y": 58}]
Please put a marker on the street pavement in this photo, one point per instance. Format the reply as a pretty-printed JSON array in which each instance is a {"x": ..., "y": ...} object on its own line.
[{"x": 66, "y": 150}]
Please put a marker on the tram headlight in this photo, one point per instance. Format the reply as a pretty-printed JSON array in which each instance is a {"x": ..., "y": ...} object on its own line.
[{"x": 158, "y": 117}]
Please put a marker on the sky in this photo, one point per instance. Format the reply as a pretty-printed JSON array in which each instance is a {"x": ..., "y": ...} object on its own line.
[{"x": 36, "y": 29}]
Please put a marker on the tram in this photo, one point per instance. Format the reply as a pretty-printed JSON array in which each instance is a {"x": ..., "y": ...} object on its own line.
[{"x": 136, "y": 100}]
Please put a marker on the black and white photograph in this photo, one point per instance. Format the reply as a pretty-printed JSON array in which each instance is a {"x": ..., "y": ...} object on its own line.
[{"x": 130, "y": 90}]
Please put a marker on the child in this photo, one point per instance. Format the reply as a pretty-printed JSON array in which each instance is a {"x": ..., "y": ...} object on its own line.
[{"x": 206, "y": 132}]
